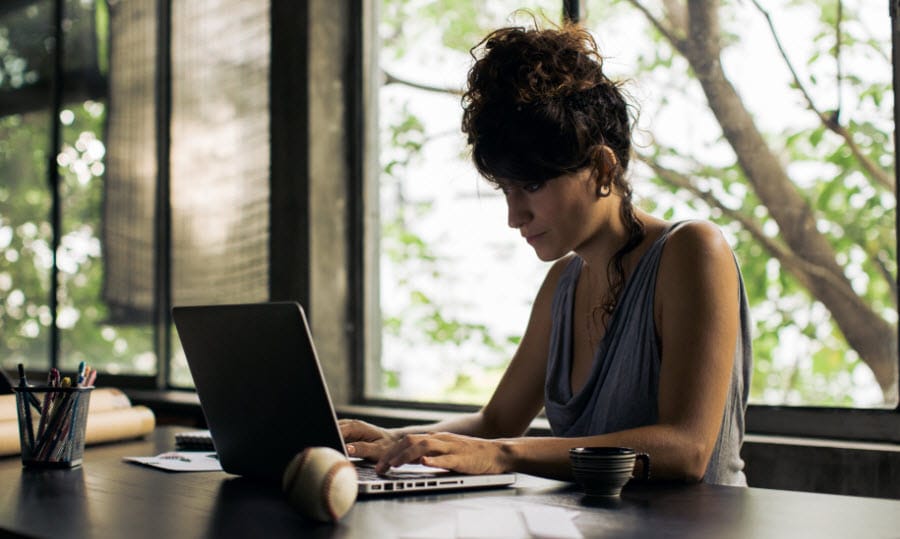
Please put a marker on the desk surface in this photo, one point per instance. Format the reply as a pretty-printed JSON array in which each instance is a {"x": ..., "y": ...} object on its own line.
[{"x": 109, "y": 498}]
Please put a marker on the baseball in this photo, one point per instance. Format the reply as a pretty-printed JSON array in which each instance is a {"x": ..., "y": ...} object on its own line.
[{"x": 320, "y": 483}]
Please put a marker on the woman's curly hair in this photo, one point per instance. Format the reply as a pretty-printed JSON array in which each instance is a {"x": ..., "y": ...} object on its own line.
[{"x": 538, "y": 106}]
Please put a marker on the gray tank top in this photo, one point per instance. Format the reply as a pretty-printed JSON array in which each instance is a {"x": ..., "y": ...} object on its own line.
[{"x": 622, "y": 388}]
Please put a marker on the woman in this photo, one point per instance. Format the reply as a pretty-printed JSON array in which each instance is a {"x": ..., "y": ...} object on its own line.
[{"x": 639, "y": 335}]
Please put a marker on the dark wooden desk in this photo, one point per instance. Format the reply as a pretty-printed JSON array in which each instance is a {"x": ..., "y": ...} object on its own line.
[{"x": 109, "y": 498}]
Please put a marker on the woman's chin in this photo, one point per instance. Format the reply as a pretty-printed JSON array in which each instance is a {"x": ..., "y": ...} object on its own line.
[{"x": 547, "y": 255}]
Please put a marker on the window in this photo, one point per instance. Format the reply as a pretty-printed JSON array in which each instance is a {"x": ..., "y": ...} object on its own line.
[
  {"x": 810, "y": 212},
  {"x": 155, "y": 105},
  {"x": 450, "y": 319},
  {"x": 155, "y": 117},
  {"x": 52, "y": 111}
]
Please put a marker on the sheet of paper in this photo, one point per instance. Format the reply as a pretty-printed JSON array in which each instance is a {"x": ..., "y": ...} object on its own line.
[
  {"x": 437, "y": 530},
  {"x": 550, "y": 522},
  {"x": 535, "y": 520},
  {"x": 508, "y": 503},
  {"x": 489, "y": 524},
  {"x": 181, "y": 461}
]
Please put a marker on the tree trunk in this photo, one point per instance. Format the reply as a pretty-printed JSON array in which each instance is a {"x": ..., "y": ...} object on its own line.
[{"x": 867, "y": 332}]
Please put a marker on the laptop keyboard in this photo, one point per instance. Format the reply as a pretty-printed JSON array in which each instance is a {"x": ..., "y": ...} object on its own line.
[{"x": 367, "y": 473}]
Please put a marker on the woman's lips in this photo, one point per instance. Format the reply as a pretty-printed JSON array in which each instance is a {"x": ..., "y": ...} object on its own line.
[{"x": 534, "y": 237}]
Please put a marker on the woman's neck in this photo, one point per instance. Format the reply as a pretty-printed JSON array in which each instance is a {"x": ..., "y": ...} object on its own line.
[{"x": 610, "y": 234}]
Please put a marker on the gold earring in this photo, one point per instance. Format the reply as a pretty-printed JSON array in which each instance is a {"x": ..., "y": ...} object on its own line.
[{"x": 604, "y": 190}]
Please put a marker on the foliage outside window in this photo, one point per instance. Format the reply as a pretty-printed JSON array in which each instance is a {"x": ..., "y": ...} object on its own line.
[
  {"x": 26, "y": 228},
  {"x": 795, "y": 165}
]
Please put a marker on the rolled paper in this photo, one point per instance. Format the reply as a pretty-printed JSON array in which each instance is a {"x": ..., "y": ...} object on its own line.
[
  {"x": 102, "y": 426},
  {"x": 104, "y": 398},
  {"x": 120, "y": 424}
]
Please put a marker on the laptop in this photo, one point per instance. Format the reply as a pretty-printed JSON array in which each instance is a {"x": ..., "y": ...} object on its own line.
[{"x": 264, "y": 397}]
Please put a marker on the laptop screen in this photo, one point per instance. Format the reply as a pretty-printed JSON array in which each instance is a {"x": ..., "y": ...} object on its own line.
[{"x": 260, "y": 384}]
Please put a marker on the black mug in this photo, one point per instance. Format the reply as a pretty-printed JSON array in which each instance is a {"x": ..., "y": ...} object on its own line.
[{"x": 603, "y": 471}]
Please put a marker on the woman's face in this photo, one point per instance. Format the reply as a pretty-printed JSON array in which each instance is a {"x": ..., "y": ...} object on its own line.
[{"x": 556, "y": 216}]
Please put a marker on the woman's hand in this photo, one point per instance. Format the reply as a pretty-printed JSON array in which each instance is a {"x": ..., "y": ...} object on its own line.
[
  {"x": 365, "y": 440},
  {"x": 443, "y": 450},
  {"x": 456, "y": 452}
]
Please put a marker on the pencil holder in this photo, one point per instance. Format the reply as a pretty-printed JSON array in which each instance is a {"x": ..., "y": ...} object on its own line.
[{"x": 52, "y": 423}]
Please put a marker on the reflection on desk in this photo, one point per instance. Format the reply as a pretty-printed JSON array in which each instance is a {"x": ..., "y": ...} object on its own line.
[{"x": 109, "y": 498}]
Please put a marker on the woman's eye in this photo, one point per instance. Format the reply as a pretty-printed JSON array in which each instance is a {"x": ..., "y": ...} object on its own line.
[{"x": 526, "y": 187}]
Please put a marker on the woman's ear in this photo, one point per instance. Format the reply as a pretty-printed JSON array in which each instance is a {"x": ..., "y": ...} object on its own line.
[
  {"x": 609, "y": 156},
  {"x": 605, "y": 162}
]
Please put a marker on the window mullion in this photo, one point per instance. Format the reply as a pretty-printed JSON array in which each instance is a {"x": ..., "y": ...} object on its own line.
[
  {"x": 162, "y": 220},
  {"x": 571, "y": 10},
  {"x": 53, "y": 175}
]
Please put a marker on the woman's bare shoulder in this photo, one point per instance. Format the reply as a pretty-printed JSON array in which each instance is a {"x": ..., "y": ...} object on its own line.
[
  {"x": 694, "y": 238},
  {"x": 696, "y": 251}
]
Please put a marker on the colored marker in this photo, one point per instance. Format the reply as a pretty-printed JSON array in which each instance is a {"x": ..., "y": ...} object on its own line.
[{"x": 81, "y": 367}]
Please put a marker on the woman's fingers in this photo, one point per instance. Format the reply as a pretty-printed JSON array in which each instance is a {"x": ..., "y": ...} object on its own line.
[
  {"x": 450, "y": 462},
  {"x": 409, "y": 448},
  {"x": 354, "y": 430},
  {"x": 365, "y": 450},
  {"x": 351, "y": 429},
  {"x": 441, "y": 450}
]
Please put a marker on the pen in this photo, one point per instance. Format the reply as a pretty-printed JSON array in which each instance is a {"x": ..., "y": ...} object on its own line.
[
  {"x": 64, "y": 440},
  {"x": 23, "y": 385},
  {"x": 61, "y": 411},
  {"x": 31, "y": 398},
  {"x": 54, "y": 427},
  {"x": 45, "y": 409}
]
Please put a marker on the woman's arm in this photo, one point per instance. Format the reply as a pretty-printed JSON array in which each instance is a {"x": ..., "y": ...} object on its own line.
[
  {"x": 697, "y": 316},
  {"x": 698, "y": 306}
]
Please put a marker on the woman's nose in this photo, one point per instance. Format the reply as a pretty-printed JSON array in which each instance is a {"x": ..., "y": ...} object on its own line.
[{"x": 518, "y": 212}]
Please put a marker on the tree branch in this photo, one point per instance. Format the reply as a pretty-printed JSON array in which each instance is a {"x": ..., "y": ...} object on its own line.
[
  {"x": 830, "y": 120},
  {"x": 390, "y": 78},
  {"x": 676, "y": 41},
  {"x": 684, "y": 182},
  {"x": 888, "y": 277},
  {"x": 676, "y": 15}
]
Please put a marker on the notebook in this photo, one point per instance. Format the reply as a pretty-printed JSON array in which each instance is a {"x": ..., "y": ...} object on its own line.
[{"x": 264, "y": 398}]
